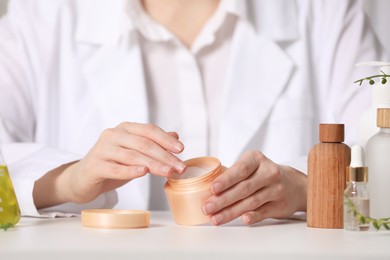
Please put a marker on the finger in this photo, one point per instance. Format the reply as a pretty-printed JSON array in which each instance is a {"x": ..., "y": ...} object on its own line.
[
  {"x": 251, "y": 203},
  {"x": 145, "y": 146},
  {"x": 122, "y": 172},
  {"x": 129, "y": 157},
  {"x": 174, "y": 134},
  {"x": 268, "y": 210},
  {"x": 241, "y": 170},
  {"x": 236, "y": 193},
  {"x": 155, "y": 133}
]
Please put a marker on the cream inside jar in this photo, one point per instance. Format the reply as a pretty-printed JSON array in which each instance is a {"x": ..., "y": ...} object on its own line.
[{"x": 191, "y": 172}]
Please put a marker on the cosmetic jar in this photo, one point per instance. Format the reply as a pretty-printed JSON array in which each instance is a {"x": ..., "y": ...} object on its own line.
[{"x": 187, "y": 192}]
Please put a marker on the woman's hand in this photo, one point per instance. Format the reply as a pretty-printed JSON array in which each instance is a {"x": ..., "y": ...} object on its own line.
[
  {"x": 256, "y": 188},
  {"x": 121, "y": 154}
]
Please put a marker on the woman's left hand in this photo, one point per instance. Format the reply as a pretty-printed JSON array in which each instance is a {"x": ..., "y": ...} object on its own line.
[{"x": 256, "y": 188}]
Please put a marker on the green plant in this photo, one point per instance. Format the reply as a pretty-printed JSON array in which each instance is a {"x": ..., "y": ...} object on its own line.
[
  {"x": 371, "y": 81},
  {"x": 376, "y": 223}
]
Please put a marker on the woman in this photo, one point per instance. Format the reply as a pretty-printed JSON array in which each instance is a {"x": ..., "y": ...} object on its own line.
[{"x": 115, "y": 90}]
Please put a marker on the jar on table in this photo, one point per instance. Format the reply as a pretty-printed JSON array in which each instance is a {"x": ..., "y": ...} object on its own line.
[{"x": 187, "y": 192}]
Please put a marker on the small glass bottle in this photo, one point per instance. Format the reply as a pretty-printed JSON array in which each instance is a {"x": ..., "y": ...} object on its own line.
[
  {"x": 357, "y": 198},
  {"x": 187, "y": 192},
  {"x": 9, "y": 207}
]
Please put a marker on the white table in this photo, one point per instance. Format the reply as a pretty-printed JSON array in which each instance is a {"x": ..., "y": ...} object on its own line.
[{"x": 272, "y": 239}]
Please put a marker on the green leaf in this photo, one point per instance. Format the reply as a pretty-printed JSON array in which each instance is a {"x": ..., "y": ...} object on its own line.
[
  {"x": 376, "y": 225},
  {"x": 361, "y": 219},
  {"x": 371, "y": 81},
  {"x": 386, "y": 226}
]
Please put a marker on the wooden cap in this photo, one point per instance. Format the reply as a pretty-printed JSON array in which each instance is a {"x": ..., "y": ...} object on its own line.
[
  {"x": 331, "y": 133},
  {"x": 383, "y": 117}
]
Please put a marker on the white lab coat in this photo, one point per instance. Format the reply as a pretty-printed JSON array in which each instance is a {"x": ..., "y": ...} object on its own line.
[{"x": 70, "y": 69}]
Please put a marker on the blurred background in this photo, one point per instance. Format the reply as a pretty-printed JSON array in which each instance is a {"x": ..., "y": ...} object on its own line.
[{"x": 377, "y": 10}]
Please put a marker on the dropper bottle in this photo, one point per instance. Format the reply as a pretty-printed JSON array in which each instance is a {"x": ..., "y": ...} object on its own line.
[
  {"x": 357, "y": 193},
  {"x": 9, "y": 207}
]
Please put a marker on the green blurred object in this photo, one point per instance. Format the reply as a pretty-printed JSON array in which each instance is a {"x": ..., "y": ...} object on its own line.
[{"x": 9, "y": 207}]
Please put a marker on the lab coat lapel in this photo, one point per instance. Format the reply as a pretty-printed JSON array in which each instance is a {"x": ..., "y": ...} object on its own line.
[
  {"x": 116, "y": 76},
  {"x": 258, "y": 72},
  {"x": 112, "y": 69}
]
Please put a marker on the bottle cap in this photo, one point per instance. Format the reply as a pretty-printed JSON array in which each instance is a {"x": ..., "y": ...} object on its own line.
[
  {"x": 110, "y": 218},
  {"x": 359, "y": 174},
  {"x": 383, "y": 117},
  {"x": 331, "y": 133},
  {"x": 356, "y": 171}
]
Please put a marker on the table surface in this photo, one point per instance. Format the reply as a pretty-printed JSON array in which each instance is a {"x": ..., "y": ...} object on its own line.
[{"x": 66, "y": 238}]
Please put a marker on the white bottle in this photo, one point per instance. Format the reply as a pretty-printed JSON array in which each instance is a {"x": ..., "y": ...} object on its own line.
[
  {"x": 378, "y": 161},
  {"x": 380, "y": 98}
]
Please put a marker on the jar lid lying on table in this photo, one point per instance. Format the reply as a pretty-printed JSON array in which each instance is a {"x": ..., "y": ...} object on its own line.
[{"x": 111, "y": 218}]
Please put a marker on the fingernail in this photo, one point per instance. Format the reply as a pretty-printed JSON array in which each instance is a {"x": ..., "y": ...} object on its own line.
[
  {"x": 208, "y": 208},
  {"x": 217, "y": 219},
  {"x": 216, "y": 188},
  {"x": 178, "y": 147},
  {"x": 180, "y": 166},
  {"x": 247, "y": 219}
]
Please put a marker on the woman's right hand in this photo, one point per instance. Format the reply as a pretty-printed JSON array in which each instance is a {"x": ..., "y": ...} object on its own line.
[{"x": 121, "y": 154}]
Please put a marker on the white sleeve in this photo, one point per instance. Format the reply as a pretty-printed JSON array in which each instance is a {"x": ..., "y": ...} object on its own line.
[
  {"x": 27, "y": 161},
  {"x": 340, "y": 36},
  {"x": 336, "y": 51}
]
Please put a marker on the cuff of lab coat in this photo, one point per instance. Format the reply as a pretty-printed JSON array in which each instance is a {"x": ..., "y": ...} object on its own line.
[
  {"x": 25, "y": 198},
  {"x": 26, "y": 202},
  {"x": 28, "y": 162},
  {"x": 106, "y": 200}
]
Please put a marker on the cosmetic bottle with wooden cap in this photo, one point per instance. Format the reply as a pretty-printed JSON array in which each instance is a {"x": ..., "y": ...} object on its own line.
[
  {"x": 327, "y": 162},
  {"x": 187, "y": 192},
  {"x": 378, "y": 161}
]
